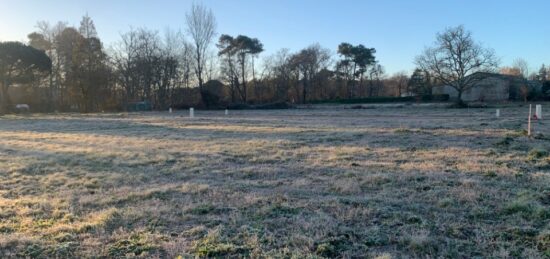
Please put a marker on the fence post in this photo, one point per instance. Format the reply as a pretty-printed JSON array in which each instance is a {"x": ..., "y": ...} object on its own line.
[{"x": 529, "y": 122}]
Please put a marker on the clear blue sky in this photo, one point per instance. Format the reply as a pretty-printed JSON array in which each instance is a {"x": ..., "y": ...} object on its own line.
[{"x": 398, "y": 29}]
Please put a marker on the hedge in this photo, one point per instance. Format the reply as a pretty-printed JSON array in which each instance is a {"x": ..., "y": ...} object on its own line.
[{"x": 388, "y": 99}]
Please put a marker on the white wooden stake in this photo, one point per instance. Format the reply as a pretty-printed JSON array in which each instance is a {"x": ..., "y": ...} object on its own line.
[
  {"x": 538, "y": 111},
  {"x": 191, "y": 113},
  {"x": 498, "y": 113},
  {"x": 226, "y": 112},
  {"x": 170, "y": 110},
  {"x": 529, "y": 122}
]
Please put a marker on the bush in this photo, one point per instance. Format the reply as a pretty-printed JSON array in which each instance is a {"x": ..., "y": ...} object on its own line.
[{"x": 211, "y": 94}]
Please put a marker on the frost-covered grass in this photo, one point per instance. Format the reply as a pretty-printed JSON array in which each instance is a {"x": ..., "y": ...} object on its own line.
[{"x": 384, "y": 182}]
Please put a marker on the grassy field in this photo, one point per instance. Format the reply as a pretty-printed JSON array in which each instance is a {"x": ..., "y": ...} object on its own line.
[{"x": 385, "y": 182}]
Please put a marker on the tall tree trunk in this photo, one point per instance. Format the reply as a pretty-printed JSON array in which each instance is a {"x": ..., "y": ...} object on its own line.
[
  {"x": 361, "y": 84},
  {"x": 2, "y": 102},
  {"x": 244, "y": 80},
  {"x": 6, "y": 100},
  {"x": 399, "y": 90},
  {"x": 304, "y": 89},
  {"x": 254, "y": 77},
  {"x": 199, "y": 75},
  {"x": 233, "y": 90},
  {"x": 352, "y": 88},
  {"x": 51, "y": 91},
  {"x": 371, "y": 88},
  {"x": 459, "y": 101},
  {"x": 199, "y": 68},
  {"x": 6, "y": 104}
]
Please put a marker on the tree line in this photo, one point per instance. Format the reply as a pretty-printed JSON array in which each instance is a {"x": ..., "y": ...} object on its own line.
[{"x": 66, "y": 68}]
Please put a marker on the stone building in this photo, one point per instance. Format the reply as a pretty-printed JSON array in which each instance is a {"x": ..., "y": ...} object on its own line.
[{"x": 492, "y": 87}]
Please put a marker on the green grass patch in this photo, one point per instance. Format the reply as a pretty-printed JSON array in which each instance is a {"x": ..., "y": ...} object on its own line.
[
  {"x": 536, "y": 154},
  {"x": 202, "y": 209},
  {"x": 135, "y": 245},
  {"x": 213, "y": 246}
]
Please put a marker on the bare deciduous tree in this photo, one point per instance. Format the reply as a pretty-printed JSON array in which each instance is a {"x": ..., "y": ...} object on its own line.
[
  {"x": 510, "y": 71},
  {"x": 376, "y": 73},
  {"x": 398, "y": 81},
  {"x": 280, "y": 75},
  {"x": 201, "y": 26},
  {"x": 151, "y": 68},
  {"x": 44, "y": 38},
  {"x": 307, "y": 63},
  {"x": 455, "y": 57},
  {"x": 522, "y": 66}
]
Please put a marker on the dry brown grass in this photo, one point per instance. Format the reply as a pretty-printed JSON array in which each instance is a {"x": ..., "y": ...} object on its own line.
[{"x": 379, "y": 183}]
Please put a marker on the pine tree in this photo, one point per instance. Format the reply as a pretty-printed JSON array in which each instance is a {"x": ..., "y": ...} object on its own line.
[{"x": 543, "y": 74}]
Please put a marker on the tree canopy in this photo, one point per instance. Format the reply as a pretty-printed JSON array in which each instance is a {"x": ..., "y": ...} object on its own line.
[
  {"x": 172, "y": 69},
  {"x": 240, "y": 47},
  {"x": 19, "y": 63},
  {"x": 354, "y": 63}
]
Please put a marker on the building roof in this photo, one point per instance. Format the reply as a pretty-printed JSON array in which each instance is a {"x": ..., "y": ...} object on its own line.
[{"x": 490, "y": 74}]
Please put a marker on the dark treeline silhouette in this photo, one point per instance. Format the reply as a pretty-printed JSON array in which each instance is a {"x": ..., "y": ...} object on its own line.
[
  {"x": 64, "y": 68},
  {"x": 20, "y": 65}
]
